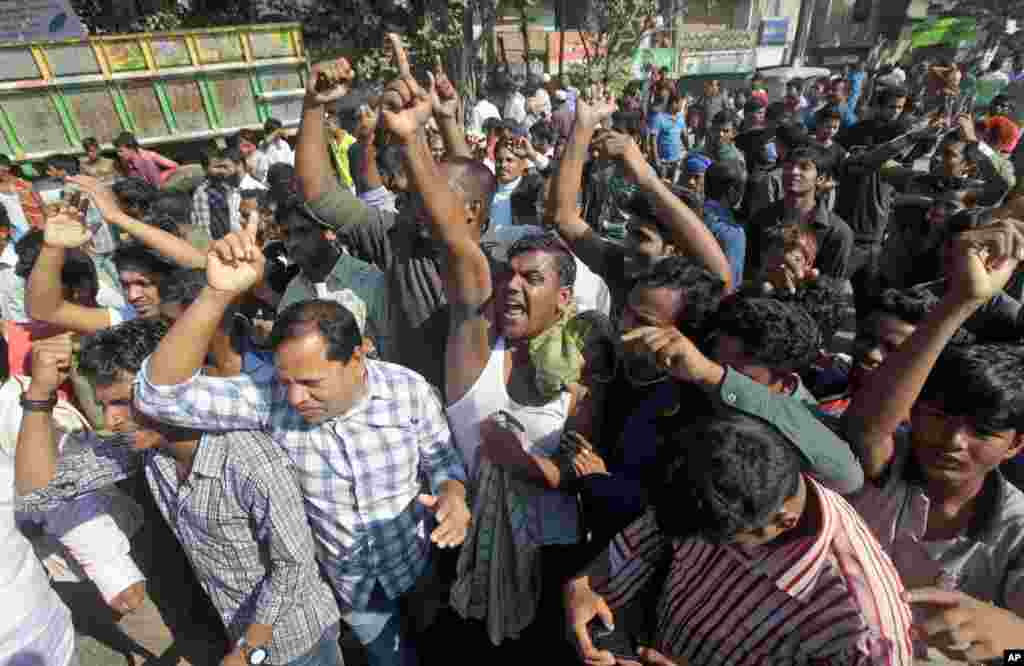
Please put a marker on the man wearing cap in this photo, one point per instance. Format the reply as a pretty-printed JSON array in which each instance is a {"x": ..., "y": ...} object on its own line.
[{"x": 694, "y": 169}]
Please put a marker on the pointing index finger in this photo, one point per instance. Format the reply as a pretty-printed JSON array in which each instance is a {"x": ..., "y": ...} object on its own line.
[
  {"x": 933, "y": 595},
  {"x": 401, "y": 57}
]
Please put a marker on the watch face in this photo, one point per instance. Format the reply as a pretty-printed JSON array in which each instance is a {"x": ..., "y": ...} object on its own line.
[{"x": 257, "y": 656}]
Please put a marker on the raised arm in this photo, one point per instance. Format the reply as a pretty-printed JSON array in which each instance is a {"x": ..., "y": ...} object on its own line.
[
  {"x": 177, "y": 249},
  {"x": 467, "y": 274},
  {"x": 584, "y": 241},
  {"x": 984, "y": 261},
  {"x": 447, "y": 107},
  {"x": 35, "y": 459},
  {"x": 44, "y": 294},
  {"x": 689, "y": 234},
  {"x": 312, "y": 159},
  {"x": 234, "y": 265}
]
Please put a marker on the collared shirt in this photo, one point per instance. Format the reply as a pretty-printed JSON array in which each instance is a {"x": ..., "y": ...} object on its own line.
[
  {"x": 11, "y": 309},
  {"x": 835, "y": 238},
  {"x": 360, "y": 473},
  {"x": 201, "y": 206},
  {"x": 730, "y": 236},
  {"x": 278, "y": 151},
  {"x": 834, "y": 598},
  {"x": 240, "y": 518},
  {"x": 361, "y": 287},
  {"x": 140, "y": 166},
  {"x": 986, "y": 561}
]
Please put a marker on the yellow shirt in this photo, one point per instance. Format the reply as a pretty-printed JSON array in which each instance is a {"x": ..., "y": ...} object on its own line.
[{"x": 340, "y": 144}]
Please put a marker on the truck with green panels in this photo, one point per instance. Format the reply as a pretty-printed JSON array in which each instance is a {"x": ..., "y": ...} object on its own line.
[{"x": 188, "y": 85}]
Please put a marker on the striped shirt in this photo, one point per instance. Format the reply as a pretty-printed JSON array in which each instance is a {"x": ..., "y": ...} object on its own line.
[
  {"x": 831, "y": 599},
  {"x": 360, "y": 473}
]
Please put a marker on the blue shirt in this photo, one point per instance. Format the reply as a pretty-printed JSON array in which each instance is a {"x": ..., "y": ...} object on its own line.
[
  {"x": 730, "y": 235},
  {"x": 669, "y": 132}
]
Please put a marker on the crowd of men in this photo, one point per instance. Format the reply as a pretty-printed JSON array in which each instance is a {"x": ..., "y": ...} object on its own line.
[{"x": 558, "y": 377}]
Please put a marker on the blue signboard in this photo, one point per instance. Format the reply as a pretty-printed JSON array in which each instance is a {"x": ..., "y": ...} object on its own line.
[{"x": 774, "y": 31}]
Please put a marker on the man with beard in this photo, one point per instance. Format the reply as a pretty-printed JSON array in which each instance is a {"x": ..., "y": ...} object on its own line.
[
  {"x": 516, "y": 198},
  {"x": 400, "y": 245},
  {"x": 660, "y": 224},
  {"x": 329, "y": 273},
  {"x": 216, "y": 203}
]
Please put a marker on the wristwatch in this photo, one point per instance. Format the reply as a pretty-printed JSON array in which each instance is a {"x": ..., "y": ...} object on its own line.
[
  {"x": 253, "y": 655},
  {"x": 39, "y": 405}
]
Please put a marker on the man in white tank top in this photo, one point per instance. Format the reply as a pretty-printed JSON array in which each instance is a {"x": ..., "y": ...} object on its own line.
[{"x": 490, "y": 366}]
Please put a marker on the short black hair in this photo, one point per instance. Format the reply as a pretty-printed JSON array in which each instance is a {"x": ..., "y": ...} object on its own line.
[
  {"x": 89, "y": 142},
  {"x": 108, "y": 355},
  {"x": 135, "y": 193},
  {"x": 78, "y": 271},
  {"x": 543, "y": 132},
  {"x": 885, "y": 95},
  {"x": 182, "y": 286},
  {"x": 334, "y": 322},
  {"x": 702, "y": 291},
  {"x": 996, "y": 65},
  {"x": 232, "y": 153},
  {"x": 825, "y": 301},
  {"x": 477, "y": 182},
  {"x": 739, "y": 476},
  {"x": 722, "y": 178},
  {"x": 173, "y": 205},
  {"x": 165, "y": 223},
  {"x": 142, "y": 259},
  {"x": 726, "y": 118},
  {"x": 548, "y": 243},
  {"x": 984, "y": 382},
  {"x": 782, "y": 336},
  {"x": 826, "y": 114},
  {"x": 65, "y": 163},
  {"x": 910, "y": 305},
  {"x": 814, "y": 152},
  {"x": 641, "y": 210},
  {"x": 126, "y": 140},
  {"x": 790, "y": 135}
]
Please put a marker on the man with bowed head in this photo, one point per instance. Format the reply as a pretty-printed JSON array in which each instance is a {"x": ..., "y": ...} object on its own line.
[{"x": 361, "y": 434}]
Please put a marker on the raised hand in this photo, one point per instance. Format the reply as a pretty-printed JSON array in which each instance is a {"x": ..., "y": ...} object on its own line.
[
  {"x": 67, "y": 230},
  {"x": 406, "y": 106},
  {"x": 443, "y": 96},
  {"x": 51, "y": 364},
  {"x": 102, "y": 196},
  {"x": 329, "y": 81},
  {"x": 674, "y": 352},
  {"x": 235, "y": 263},
  {"x": 590, "y": 116},
  {"x": 984, "y": 260}
]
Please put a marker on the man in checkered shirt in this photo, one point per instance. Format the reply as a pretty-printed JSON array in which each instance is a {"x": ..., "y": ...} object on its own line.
[
  {"x": 230, "y": 499},
  {"x": 369, "y": 441}
]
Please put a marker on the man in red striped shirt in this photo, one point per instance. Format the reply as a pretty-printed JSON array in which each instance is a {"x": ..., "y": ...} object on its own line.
[{"x": 757, "y": 562}]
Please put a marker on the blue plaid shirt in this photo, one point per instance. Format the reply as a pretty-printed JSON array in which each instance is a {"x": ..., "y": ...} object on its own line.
[{"x": 360, "y": 473}]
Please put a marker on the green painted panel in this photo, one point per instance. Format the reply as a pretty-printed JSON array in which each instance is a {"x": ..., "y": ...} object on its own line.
[
  {"x": 187, "y": 105},
  {"x": 36, "y": 121},
  {"x": 170, "y": 53},
  {"x": 94, "y": 112},
  {"x": 219, "y": 48},
  {"x": 235, "y": 101},
  {"x": 142, "y": 103}
]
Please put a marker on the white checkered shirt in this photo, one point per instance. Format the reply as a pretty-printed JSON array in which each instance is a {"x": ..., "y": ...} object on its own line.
[{"x": 360, "y": 473}]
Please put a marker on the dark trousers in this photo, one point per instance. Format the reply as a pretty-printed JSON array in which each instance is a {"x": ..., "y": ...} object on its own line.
[{"x": 865, "y": 274}]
